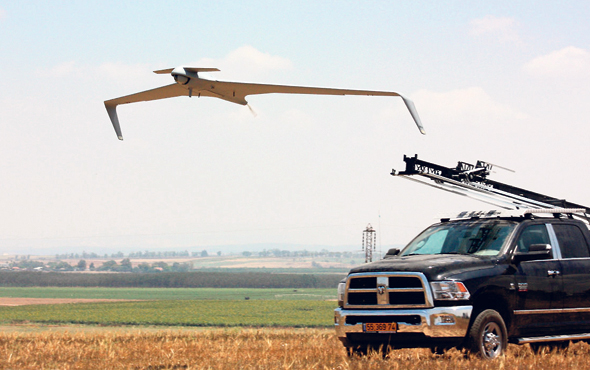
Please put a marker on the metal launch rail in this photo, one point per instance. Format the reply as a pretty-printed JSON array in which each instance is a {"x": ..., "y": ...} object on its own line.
[{"x": 472, "y": 181}]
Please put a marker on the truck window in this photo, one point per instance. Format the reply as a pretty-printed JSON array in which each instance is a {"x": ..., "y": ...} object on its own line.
[
  {"x": 484, "y": 238},
  {"x": 431, "y": 244},
  {"x": 533, "y": 234},
  {"x": 571, "y": 241}
]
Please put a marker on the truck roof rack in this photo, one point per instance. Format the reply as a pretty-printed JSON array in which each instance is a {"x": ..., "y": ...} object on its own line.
[{"x": 472, "y": 181}]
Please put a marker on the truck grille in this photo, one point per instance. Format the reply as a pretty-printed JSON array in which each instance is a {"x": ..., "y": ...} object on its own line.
[{"x": 388, "y": 290}]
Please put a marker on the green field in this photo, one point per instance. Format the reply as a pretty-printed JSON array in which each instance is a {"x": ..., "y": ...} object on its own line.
[
  {"x": 258, "y": 313},
  {"x": 169, "y": 293},
  {"x": 176, "y": 307}
]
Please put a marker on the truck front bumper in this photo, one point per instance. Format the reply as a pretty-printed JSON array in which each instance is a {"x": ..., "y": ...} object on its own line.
[{"x": 437, "y": 322}]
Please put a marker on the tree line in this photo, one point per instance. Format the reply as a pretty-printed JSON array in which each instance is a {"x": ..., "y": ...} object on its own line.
[
  {"x": 196, "y": 254},
  {"x": 139, "y": 254},
  {"x": 111, "y": 265},
  {"x": 199, "y": 279}
]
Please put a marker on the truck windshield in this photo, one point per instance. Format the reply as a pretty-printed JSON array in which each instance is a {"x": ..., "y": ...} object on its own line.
[{"x": 481, "y": 237}]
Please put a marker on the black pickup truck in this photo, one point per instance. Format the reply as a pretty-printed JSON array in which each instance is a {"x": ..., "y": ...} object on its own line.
[{"x": 478, "y": 282}]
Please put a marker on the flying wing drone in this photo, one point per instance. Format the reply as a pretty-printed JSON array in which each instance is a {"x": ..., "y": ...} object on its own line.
[{"x": 188, "y": 83}]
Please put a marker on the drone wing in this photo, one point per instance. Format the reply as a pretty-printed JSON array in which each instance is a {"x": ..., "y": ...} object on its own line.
[
  {"x": 169, "y": 91},
  {"x": 236, "y": 92},
  {"x": 163, "y": 92}
]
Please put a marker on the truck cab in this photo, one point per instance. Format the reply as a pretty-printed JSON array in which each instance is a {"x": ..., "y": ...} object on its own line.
[{"x": 476, "y": 281}]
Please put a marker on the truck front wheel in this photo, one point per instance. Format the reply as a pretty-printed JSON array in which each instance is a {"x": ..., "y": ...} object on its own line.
[{"x": 487, "y": 336}]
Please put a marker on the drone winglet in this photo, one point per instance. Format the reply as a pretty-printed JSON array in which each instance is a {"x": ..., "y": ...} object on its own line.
[
  {"x": 112, "y": 110},
  {"x": 412, "y": 108}
]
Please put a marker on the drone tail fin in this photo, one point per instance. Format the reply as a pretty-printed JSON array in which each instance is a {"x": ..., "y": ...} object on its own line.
[{"x": 188, "y": 69}]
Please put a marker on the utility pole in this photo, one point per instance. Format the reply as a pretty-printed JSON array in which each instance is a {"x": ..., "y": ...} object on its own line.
[{"x": 369, "y": 242}]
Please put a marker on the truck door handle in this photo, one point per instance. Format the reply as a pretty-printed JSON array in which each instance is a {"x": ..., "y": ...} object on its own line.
[{"x": 553, "y": 273}]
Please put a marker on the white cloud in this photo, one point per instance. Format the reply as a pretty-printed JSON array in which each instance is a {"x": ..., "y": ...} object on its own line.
[
  {"x": 64, "y": 69},
  {"x": 106, "y": 70},
  {"x": 464, "y": 122},
  {"x": 470, "y": 123},
  {"x": 247, "y": 62},
  {"x": 570, "y": 63},
  {"x": 468, "y": 104},
  {"x": 2, "y": 14},
  {"x": 120, "y": 70},
  {"x": 106, "y": 78},
  {"x": 255, "y": 58},
  {"x": 504, "y": 29}
]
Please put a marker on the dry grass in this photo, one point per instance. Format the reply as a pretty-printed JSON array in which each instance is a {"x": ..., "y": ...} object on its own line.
[{"x": 245, "y": 349}]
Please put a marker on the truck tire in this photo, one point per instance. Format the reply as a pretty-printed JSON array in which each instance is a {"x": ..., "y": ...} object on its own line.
[{"x": 488, "y": 336}]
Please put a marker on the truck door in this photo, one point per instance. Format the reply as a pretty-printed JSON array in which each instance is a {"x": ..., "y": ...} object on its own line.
[
  {"x": 575, "y": 271},
  {"x": 537, "y": 285}
]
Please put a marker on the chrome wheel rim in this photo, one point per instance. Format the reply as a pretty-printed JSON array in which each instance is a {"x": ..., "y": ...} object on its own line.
[{"x": 491, "y": 343}]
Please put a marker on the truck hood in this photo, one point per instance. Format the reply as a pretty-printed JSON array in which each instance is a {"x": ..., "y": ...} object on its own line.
[{"x": 435, "y": 267}]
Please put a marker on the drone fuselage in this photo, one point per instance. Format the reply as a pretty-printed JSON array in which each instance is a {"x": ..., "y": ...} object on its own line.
[{"x": 194, "y": 84}]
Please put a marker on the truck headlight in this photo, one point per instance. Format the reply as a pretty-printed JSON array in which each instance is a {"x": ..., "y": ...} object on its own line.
[
  {"x": 449, "y": 290},
  {"x": 341, "y": 291}
]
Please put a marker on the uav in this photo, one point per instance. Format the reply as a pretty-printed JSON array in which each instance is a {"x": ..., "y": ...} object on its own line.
[{"x": 189, "y": 83}]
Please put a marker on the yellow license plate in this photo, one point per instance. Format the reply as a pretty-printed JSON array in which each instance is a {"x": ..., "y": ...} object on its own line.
[{"x": 386, "y": 327}]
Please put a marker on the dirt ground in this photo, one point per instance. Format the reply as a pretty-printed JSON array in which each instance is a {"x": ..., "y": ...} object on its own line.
[{"x": 7, "y": 301}]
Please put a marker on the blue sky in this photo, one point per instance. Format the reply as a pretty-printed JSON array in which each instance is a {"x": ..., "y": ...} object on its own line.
[{"x": 505, "y": 82}]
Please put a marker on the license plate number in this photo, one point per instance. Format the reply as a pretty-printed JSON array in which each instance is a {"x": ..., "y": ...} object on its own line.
[{"x": 387, "y": 327}]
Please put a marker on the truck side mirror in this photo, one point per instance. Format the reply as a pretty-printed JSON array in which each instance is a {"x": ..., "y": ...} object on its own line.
[
  {"x": 536, "y": 252},
  {"x": 392, "y": 253}
]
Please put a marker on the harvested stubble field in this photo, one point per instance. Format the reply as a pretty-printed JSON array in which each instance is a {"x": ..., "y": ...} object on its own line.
[{"x": 245, "y": 349}]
